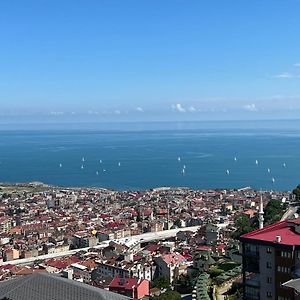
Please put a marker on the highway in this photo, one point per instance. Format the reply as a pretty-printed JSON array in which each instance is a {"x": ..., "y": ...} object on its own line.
[{"x": 130, "y": 241}]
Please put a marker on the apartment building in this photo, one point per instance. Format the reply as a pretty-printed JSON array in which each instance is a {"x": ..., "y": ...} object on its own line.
[{"x": 271, "y": 257}]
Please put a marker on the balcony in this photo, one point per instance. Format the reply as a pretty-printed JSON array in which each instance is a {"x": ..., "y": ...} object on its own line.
[
  {"x": 251, "y": 297},
  {"x": 253, "y": 281},
  {"x": 249, "y": 253},
  {"x": 251, "y": 288}
]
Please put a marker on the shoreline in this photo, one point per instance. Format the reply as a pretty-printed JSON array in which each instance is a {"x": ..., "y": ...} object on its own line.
[{"x": 38, "y": 184}]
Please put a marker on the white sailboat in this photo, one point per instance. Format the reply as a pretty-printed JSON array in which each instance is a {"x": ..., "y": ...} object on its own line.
[
  {"x": 256, "y": 162},
  {"x": 83, "y": 160},
  {"x": 227, "y": 172},
  {"x": 97, "y": 173},
  {"x": 284, "y": 165},
  {"x": 269, "y": 171},
  {"x": 235, "y": 159},
  {"x": 82, "y": 167},
  {"x": 273, "y": 179},
  {"x": 60, "y": 165},
  {"x": 119, "y": 164},
  {"x": 183, "y": 171},
  {"x": 100, "y": 161},
  {"x": 179, "y": 159}
]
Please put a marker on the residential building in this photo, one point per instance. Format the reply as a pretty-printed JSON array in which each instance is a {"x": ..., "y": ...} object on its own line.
[
  {"x": 5, "y": 224},
  {"x": 171, "y": 265},
  {"x": 271, "y": 257},
  {"x": 130, "y": 287}
]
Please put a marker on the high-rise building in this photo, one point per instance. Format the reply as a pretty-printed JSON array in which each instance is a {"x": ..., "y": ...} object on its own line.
[{"x": 271, "y": 257}]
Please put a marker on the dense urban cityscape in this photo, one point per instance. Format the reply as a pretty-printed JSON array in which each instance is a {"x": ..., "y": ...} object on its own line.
[
  {"x": 163, "y": 243},
  {"x": 149, "y": 150}
]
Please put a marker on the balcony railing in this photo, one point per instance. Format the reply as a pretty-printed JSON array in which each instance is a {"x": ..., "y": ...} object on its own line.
[
  {"x": 251, "y": 297},
  {"x": 251, "y": 253},
  {"x": 253, "y": 281}
]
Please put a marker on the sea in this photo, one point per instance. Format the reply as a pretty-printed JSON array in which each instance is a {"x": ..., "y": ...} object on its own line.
[{"x": 138, "y": 156}]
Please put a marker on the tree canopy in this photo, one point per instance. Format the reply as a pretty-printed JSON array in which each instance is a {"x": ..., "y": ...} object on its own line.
[
  {"x": 273, "y": 211},
  {"x": 243, "y": 225},
  {"x": 168, "y": 295},
  {"x": 296, "y": 192}
]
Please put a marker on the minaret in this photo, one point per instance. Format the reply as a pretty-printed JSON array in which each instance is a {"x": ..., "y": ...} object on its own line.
[
  {"x": 168, "y": 215},
  {"x": 261, "y": 213}
]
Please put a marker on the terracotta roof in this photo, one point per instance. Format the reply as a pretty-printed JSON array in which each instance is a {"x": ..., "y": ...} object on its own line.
[{"x": 173, "y": 258}]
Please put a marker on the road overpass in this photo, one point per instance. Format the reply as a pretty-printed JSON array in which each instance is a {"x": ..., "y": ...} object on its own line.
[{"x": 129, "y": 241}]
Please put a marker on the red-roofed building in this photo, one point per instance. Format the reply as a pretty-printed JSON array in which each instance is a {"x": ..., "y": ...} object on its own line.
[
  {"x": 131, "y": 287},
  {"x": 271, "y": 256},
  {"x": 171, "y": 265}
]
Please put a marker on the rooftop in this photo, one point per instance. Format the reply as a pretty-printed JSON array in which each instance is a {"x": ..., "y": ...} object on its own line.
[
  {"x": 48, "y": 287},
  {"x": 173, "y": 258},
  {"x": 286, "y": 230},
  {"x": 126, "y": 283}
]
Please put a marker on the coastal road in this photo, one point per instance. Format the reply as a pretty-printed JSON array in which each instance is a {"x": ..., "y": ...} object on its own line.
[{"x": 130, "y": 241}]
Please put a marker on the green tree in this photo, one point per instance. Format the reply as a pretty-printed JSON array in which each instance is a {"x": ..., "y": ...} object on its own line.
[
  {"x": 161, "y": 282},
  {"x": 168, "y": 295},
  {"x": 183, "y": 284},
  {"x": 242, "y": 225},
  {"x": 296, "y": 192},
  {"x": 274, "y": 211}
]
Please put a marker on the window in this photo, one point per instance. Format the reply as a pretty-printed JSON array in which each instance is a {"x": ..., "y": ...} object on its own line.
[
  {"x": 269, "y": 279},
  {"x": 269, "y": 294},
  {"x": 286, "y": 254},
  {"x": 269, "y": 250},
  {"x": 283, "y": 269},
  {"x": 283, "y": 298},
  {"x": 269, "y": 265}
]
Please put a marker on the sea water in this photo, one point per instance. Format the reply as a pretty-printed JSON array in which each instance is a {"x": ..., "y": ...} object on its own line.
[{"x": 141, "y": 156}]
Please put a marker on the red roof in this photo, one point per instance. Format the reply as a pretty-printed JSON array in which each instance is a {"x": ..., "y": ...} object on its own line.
[
  {"x": 7, "y": 267},
  {"x": 187, "y": 256},
  {"x": 221, "y": 247},
  {"x": 126, "y": 283},
  {"x": 284, "y": 229},
  {"x": 152, "y": 248},
  {"x": 62, "y": 263},
  {"x": 203, "y": 248},
  {"x": 137, "y": 257},
  {"x": 173, "y": 258}
]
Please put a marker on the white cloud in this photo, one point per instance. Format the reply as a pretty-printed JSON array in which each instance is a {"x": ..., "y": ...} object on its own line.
[
  {"x": 297, "y": 65},
  {"x": 284, "y": 75},
  {"x": 250, "y": 107},
  {"x": 178, "y": 107},
  {"x": 92, "y": 112},
  {"x": 140, "y": 109},
  {"x": 56, "y": 113},
  {"x": 117, "y": 112},
  {"x": 192, "y": 109}
]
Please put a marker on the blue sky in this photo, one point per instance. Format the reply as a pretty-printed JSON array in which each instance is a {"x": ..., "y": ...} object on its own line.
[{"x": 149, "y": 60}]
